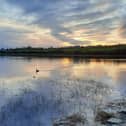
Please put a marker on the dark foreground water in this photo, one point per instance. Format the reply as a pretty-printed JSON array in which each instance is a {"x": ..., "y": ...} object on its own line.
[{"x": 61, "y": 87}]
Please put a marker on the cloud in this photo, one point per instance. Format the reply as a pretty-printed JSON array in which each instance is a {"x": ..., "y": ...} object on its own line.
[
  {"x": 11, "y": 37},
  {"x": 122, "y": 29},
  {"x": 100, "y": 17}
]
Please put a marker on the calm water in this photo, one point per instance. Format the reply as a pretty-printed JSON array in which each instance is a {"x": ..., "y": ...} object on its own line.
[{"x": 61, "y": 87}]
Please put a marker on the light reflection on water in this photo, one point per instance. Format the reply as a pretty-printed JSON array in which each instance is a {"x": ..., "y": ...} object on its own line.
[{"x": 66, "y": 86}]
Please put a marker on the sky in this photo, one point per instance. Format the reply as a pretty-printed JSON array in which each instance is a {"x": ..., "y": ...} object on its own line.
[{"x": 56, "y": 23}]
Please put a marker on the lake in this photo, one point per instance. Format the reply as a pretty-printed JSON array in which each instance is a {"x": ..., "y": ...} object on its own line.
[{"x": 60, "y": 87}]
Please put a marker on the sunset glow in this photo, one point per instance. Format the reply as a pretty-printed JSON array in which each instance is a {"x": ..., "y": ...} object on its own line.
[{"x": 49, "y": 23}]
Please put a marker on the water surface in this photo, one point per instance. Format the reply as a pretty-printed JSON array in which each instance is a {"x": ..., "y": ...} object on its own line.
[{"x": 62, "y": 86}]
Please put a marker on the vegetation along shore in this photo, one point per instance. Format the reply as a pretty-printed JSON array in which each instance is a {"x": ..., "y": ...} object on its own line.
[{"x": 113, "y": 51}]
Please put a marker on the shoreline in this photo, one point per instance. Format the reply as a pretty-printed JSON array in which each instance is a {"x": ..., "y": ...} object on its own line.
[
  {"x": 65, "y": 56},
  {"x": 115, "y": 51}
]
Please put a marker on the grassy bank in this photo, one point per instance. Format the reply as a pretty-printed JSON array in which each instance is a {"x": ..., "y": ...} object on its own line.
[{"x": 115, "y": 51}]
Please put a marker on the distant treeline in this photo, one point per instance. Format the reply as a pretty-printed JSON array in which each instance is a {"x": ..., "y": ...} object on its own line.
[{"x": 88, "y": 51}]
